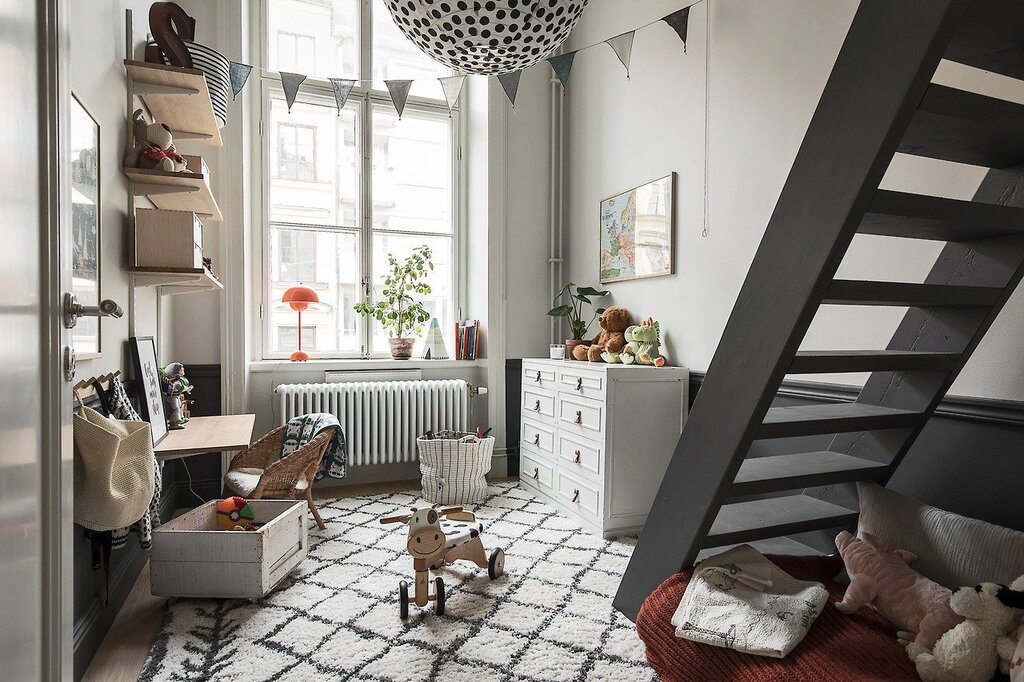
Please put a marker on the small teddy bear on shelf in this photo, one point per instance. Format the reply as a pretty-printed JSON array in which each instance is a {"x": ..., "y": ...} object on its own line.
[
  {"x": 613, "y": 320},
  {"x": 154, "y": 147},
  {"x": 643, "y": 344}
]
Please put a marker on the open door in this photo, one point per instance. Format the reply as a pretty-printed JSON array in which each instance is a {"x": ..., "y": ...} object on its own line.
[{"x": 35, "y": 402}]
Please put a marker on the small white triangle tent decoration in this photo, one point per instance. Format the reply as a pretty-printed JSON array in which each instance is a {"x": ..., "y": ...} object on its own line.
[
  {"x": 342, "y": 88},
  {"x": 399, "y": 94},
  {"x": 623, "y": 46},
  {"x": 291, "y": 82},
  {"x": 452, "y": 86},
  {"x": 434, "y": 348},
  {"x": 510, "y": 84}
]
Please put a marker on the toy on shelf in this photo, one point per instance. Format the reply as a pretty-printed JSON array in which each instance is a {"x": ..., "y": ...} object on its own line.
[
  {"x": 154, "y": 147},
  {"x": 176, "y": 389},
  {"x": 613, "y": 321},
  {"x": 438, "y": 537},
  {"x": 643, "y": 344}
]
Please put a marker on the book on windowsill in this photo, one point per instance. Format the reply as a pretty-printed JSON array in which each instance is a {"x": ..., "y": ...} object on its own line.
[{"x": 467, "y": 340}]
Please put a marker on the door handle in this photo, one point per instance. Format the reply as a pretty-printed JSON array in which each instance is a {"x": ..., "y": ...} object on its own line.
[
  {"x": 537, "y": 380},
  {"x": 536, "y": 439},
  {"x": 74, "y": 310},
  {"x": 576, "y": 459},
  {"x": 536, "y": 472},
  {"x": 575, "y": 495},
  {"x": 536, "y": 406},
  {"x": 579, "y": 384},
  {"x": 579, "y": 417}
]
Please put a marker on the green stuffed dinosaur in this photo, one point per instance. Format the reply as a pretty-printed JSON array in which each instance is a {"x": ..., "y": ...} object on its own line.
[{"x": 644, "y": 344}]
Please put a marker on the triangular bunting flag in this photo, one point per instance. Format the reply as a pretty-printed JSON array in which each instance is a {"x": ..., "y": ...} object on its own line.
[
  {"x": 238, "y": 73},
  {"x": 510, "y": 84},
  {"x": 452, "y": 86},
  {"x": 342, "y": 88},
  {"x": 291, "y": 82},
  {"x": 623, "y": 46},
  {"x": 399, "y": 94},
  {"x": 679, "y": 21},
  {"x": 562, "y": 65}
]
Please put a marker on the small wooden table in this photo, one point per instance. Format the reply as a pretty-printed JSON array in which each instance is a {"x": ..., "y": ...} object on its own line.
[{"x": 207, "y": 434}]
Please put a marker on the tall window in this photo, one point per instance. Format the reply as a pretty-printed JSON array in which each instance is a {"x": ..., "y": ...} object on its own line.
[{"x": 345, "y": 189}]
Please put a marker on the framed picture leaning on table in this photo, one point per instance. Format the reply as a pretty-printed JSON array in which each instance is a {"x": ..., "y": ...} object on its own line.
[{"x": 147, "y": 381}]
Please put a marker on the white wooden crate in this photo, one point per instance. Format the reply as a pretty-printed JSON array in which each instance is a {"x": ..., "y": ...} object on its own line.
[{"x": 191, "y": 557}]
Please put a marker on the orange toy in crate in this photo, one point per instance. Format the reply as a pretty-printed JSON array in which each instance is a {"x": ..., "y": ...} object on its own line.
[{"x": 233, "y": 512}]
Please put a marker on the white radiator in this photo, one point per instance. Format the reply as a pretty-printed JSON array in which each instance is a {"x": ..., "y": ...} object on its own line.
[{"x": 382, "y": 419}]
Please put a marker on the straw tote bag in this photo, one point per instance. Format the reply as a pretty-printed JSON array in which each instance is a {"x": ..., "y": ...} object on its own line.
[{"x": 113, "y": 470}]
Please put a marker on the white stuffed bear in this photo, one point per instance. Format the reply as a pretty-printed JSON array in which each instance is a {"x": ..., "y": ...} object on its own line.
[
  {"x": 967, "y": 652},
  {"x": 1011, "y": 647}
]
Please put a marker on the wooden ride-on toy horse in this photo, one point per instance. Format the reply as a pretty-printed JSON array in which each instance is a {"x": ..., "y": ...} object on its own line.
[{"x": 438, "y": 537}]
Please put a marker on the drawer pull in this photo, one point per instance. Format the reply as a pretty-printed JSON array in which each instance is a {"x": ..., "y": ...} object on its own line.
[
  {"x": 575, "y": 495},
  {"x": 576, "y": 459},
  {"x": 536, "y": 379},
  {"x": 536, "y": 439},
  {"x": 579, "y": 384},
  {"x": 536, "y": 406},
  {"x": 536, "y": 472},
  {"x": 579, "y": 417}
]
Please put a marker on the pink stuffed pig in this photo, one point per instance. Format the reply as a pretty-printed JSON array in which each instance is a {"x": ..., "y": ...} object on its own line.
[{"x": 881, "y": 577}]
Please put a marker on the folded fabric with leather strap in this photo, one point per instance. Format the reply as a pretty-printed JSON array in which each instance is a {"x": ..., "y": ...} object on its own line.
[{"x": 114, "y": 480}]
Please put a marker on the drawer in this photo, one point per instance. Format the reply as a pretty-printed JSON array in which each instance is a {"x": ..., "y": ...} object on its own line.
[
  {"x": 539, "y": 376},
  {"x": 578, "y": 456},
  {"x": 582, "y": 414},
  {"x": 538, "y": 402},
  {"x": 536, "y": 473},
  {"x": 579, "y": 496},
  {"x": 582, "y": 382},
  {"x": 539, "y": 437}
]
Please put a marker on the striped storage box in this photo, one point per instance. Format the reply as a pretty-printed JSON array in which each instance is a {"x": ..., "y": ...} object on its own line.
[{"x": 453, "y": 465}]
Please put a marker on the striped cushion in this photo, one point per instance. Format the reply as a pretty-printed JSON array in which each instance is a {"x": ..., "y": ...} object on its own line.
[{"x": 952, "y": 550}]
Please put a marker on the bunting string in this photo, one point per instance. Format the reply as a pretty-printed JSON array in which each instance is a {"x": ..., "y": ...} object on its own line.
[{"x": 451, "y": 86}]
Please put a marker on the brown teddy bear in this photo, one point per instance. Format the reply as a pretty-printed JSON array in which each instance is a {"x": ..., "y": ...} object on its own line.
[
  {"x": 612, "y": 338},
  {"x": 154, "y": 147}
]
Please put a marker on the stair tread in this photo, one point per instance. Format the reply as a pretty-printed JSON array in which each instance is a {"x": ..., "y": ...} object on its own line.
[
  {"x": 988, "y": 37},
  {"x": 825, "y": 361},
  {"x": 861, "y": 292},
  {"x": 966, "y": 127},
  {"x": 775, "y": 516},
  {"x": 806, "y": 420},
  {"x": 804, "y": 470},
  {"x": 918, "y": 216}
]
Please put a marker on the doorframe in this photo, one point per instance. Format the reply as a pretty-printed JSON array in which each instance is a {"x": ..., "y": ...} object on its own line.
[{"x": 57, "y": 501}]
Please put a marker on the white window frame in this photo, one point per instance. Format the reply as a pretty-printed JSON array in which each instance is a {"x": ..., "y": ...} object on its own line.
[{"x": 362, "y": 99}]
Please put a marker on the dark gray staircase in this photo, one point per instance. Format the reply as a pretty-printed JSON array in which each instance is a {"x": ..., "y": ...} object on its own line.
[{"x": 879, "y": 100}]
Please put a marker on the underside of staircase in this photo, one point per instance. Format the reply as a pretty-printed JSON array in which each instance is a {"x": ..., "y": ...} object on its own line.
[{"x": 879, "y": 100}]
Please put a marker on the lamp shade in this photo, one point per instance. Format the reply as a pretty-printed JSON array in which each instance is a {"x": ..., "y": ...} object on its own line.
[
  {"x": 489, "y": 37},
  {"x": 299, "y": 298}
]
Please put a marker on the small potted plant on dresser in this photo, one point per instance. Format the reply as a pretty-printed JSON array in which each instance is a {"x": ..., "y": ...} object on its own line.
[
  {"x": 397, "y": 311},
  {"x": 574, "y": 310}
]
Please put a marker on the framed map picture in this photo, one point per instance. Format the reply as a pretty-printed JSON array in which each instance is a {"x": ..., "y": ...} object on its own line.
[{"x": 638, "y": 231}]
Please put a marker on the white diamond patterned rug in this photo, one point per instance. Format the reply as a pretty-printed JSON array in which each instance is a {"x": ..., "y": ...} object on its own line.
[{"x": 550, "y": 617}]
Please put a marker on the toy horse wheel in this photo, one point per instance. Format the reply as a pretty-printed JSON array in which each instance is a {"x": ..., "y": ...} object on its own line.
[
  {"x": 403, "y": 600},
  {"x": 438, "y": 596},
  {"x": 496, "y": 564}
]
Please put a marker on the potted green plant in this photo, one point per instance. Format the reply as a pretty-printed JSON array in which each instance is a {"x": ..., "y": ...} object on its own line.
[
  {"x": 574, "y": 310},
  {"x": 397, "y": 311}
]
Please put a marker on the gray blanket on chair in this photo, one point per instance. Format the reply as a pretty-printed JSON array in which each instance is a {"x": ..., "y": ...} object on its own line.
[{"x": 304, "y": 428}]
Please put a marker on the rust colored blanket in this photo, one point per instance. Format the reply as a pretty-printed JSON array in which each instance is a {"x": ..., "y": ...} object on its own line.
[{"x": 837, "y": 648}]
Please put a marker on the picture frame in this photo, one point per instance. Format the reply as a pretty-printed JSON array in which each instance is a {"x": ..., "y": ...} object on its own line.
[
  {"x": 148, "y": 389},
  {"x": 85, "y": 197},
  {"x": 637, "y": 232}
]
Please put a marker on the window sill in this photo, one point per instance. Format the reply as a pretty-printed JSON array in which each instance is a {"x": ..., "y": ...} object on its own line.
[{"x": 357, "y": 364}]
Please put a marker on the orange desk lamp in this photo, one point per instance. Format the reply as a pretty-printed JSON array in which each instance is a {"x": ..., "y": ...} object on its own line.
[{"x": 299, "y": 299}]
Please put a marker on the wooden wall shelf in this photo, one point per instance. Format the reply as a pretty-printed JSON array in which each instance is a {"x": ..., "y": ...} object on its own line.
[
  {"x": 176, "y": 191},
  {"x": 178, "y": 97},
  {"x": 176, "y": 280}
]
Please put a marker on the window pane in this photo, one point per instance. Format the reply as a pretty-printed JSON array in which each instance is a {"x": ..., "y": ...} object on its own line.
[
  {"x": 396, "y": 57},
  {"x": 327, "y": 261},
  {"x": 412, "y": 171},
  {"x": 313, "y": 165},
  {"x": 440, "y": 300},
  {"x": 318, "y": 38}
]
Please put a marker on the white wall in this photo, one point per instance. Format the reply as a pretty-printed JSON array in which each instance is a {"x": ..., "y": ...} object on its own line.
[
  {"x": 768, "y": 64},
  {"x": 97, "y": 77}
]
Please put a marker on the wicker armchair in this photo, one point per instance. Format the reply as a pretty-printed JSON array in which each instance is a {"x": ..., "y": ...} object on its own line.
[{"x": 256, "y": 474}]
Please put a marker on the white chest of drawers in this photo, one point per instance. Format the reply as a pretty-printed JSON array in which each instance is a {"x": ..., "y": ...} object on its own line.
[{"x": 596, "y": 439}]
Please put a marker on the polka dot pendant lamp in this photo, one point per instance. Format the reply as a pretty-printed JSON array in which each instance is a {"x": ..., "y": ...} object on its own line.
[{"x": 489, "y": 37}]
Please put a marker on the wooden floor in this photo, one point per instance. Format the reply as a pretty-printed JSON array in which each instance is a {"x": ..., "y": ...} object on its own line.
[{"x": 124, "y": 650}]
